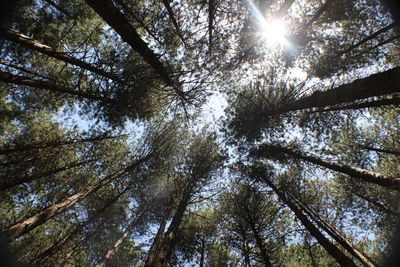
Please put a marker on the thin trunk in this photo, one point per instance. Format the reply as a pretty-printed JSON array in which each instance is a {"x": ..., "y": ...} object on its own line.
[
  {"x": 129, "y": 12},
  {"x": 168, "y": 241},
  {"x": 365, "y": 175},
  {"x": 246, "y": 253},
  {"x": 261, "y": 247},
  {"x": 111, "y": 252},
  {"x": 8, "y": 183},
  {"x": 382, "y": 83},
  {"x": 202, "y": 251},
  {"x": 32, "y": 44},
  {"x": 379, "y": 205},
  {"x": 387, "y": 41},
  {"x": 8, "y": 77},
  {"x": 366, "y": 39},
  {"x": 24, "y": 70},
  {"x": 367, "y": 104},
  {"x": 155, "y": 246},
  {"x": 42, "y": 257},
  {"x": 335, "y": 234},
  {"x": 284, "y": 8},
  {"x": 387, "y": 151},
  {"x": 70, "y": 252},
  {"x": 310, "y": 253},
  {"x": 211, "y": 14},
  {"x": 340, "y": 257},
  {"x": 26, "y": 225},
  {"x": 116, "y": 20},
  {"x": 61, "y": 10},
  {"x": 318, "y": 14},
  {"x": 173, "y": 20},
  {"x": 26, "y": 147}
]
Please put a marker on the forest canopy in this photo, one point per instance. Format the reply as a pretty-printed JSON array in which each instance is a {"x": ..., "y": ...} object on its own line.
[{"x": 200, "y": 132}]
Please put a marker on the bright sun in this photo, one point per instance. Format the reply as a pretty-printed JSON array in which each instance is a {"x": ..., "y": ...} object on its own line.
[{"x": 274, "y": 32}]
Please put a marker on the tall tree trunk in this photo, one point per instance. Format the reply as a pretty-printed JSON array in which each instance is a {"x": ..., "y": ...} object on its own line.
[
  {"x": 283, "y": 10},
  {"x": 368, "y": 38},
  {"x": 303, "y": 31},
  {"x": 113, "y": 17},
  {"x": 7, "y": 183},
  {"x": 365, "y": 175},
  {"x": 111, "y": 252},
  {"x": 173, "y": 20},
  {"x": 25, "y": 147},
  {"x": 8, "y": 77},
  {"x": 61, "y": 10},
  {"x": 261, "y": 246},
  {"x": 168, "y": 241},
  {"x": 26, "y": 225},
  {"x": 246, "y": 253},
  {"x": 32, "y": 44},
  {"x": 366, "y": 104},
  {"x": 335, "y": 234},
  {"x": 381, "y": 150},
  {"x": 42, "y": 257},
  {"x": 379, "y": 205},
  {"x": 155, "y": 246},
  {"x": 202, "y": 251},
  {"x": 340, "y": 257},
  {"x": 383, "y": 83}
]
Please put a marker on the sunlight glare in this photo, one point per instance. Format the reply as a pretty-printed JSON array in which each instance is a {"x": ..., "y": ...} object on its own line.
[{"x": 274, "y": 32}]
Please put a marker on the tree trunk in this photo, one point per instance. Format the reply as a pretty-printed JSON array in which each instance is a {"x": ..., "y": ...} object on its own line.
[
  {"x": 340, "y": 257},
  {"x": 284, "y": 9},
  {"x": 383, "y": 83},
  {"x": 387, "y": 151},
  {"x": 26, "y": 225},
  {"x": 202, "y": 251},
  {"x": 260, "y": 245},
  {"x": 366, "y": 104},
  {"x": 32, "y": 44},
  {"x": 116, "y": 20},
  {"x": 303, "y": 31},
  {"x": 335, "y": 234},
  {"x": 365, "y": 175},
  {"x": 366, "y": 39},
  {"x": 168, "y": 241},
  {"x": 42, "y": 257},
  {"x": 7, "y": 77},
  {"x": 11, "y": 182},
  {"x": 173, "y": 20},
  {"x": 379, "y": 205},
  {"x": 26, "y": 147},
  {"x": 111, "y": 252}
]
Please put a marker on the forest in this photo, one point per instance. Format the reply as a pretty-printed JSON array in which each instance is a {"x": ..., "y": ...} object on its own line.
[{"x": 200, "y": 133}]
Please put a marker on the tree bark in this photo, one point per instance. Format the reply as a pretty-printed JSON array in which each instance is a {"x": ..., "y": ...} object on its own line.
[
  {"x": 8, "y": 77},
  {"x": 113, "y": 17},
  {"x": 111, "y": 252},
  {"x": 19, "y": 148},
  {"x": 387, "y": 151},
  {"x": 365, "y": 175},
  {"x": 26, "y": 225},
  {"x": 173, "y": 20},
  {"x": 30, "y": 43},
  {"x": 335, "y": 234},
  {"x": 339, "y": 256},
  {"x": 383, "y": 83},
  {"x": 366, "y": 104},
  {"x": 6, "y": 184},
  {"x": 161, "y": 256},
  {"x": 368, "y": 38},
  {"x": 260, "y": 245},
  {"x": 42, "y": 257}
]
